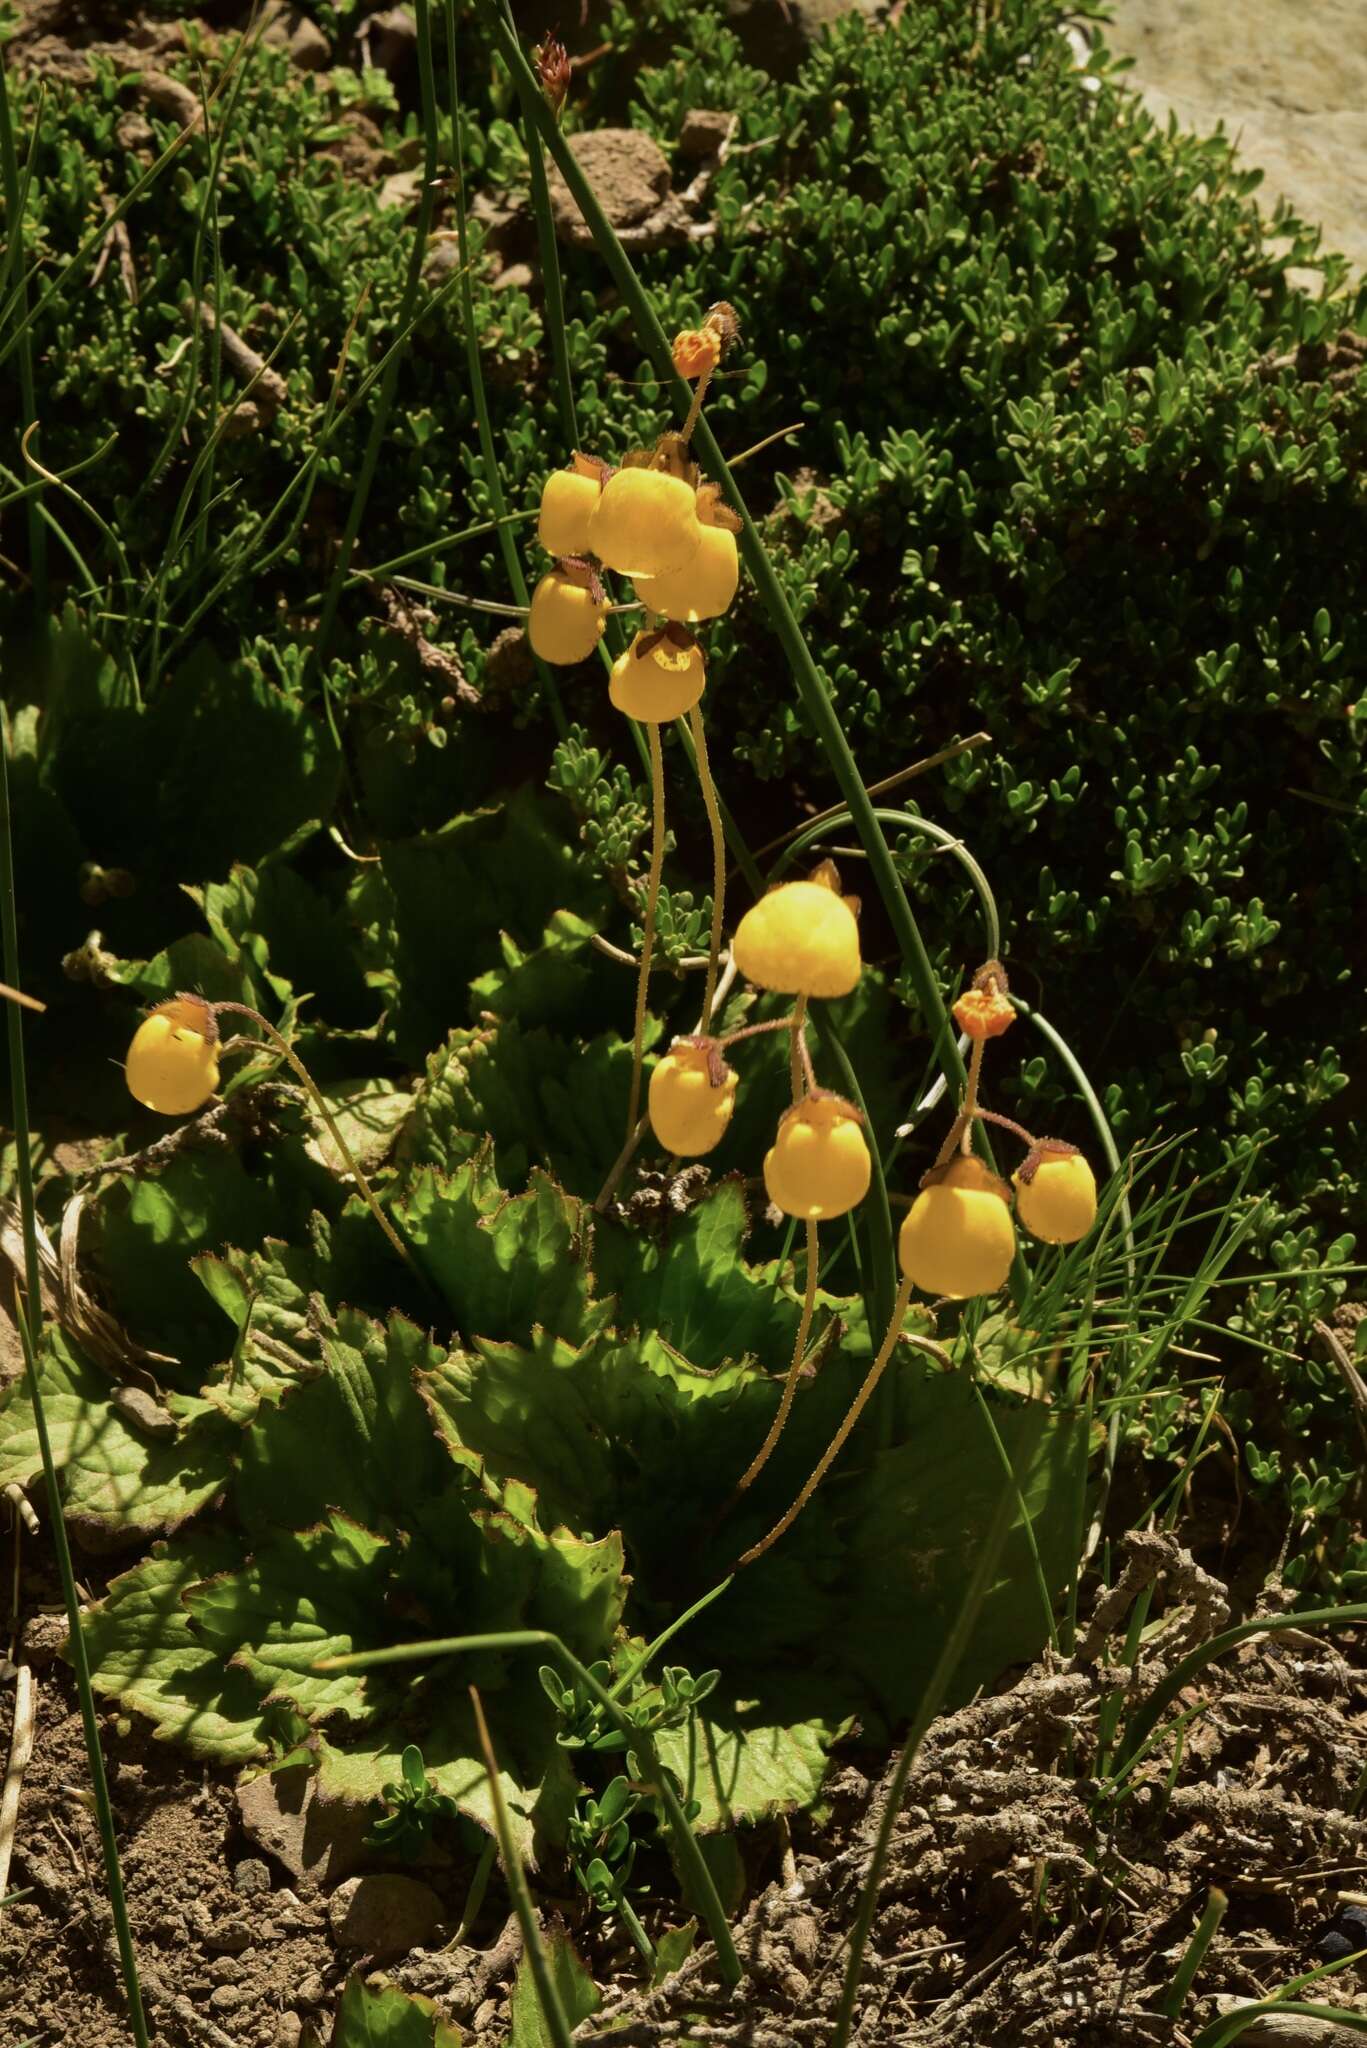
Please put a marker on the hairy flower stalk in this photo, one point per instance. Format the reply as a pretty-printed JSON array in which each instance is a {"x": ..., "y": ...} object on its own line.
[{"x": 713, "y": 809}]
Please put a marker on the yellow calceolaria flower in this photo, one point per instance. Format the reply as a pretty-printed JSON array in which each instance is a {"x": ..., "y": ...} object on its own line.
[
  {"x": 800, "y": 939},
  {"x": 172, "y": 1064},
  {"x": 957, "y": 1238},
  {"x": 569, "y": 500},
  {"x": 646, "y": 523},
  {"x": 566, "y": 621},
  {"x": 704, "y": 588},
  {"x": 819, "y": 1164},
  {"x": 660, "y": 676},
  {"x": 1056, "y": 1193},
  {"x": 692, "y": 1094}
]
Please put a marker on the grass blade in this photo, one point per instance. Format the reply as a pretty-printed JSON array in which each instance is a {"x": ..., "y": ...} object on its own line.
[{"x": 32, "y": 1307}]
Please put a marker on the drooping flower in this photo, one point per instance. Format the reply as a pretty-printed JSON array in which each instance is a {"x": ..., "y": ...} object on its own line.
[
  {"x": 957, "y": 1238},
  {"x": 818, "y": 1164},
  {"x": 661, "y": 676},
  {"x": 1056, "y": 1193},
  {"x": 800, "y": 939},
  {"x": 645, "y": 523},
  {"x": 692, "y": 1094},
  {"x": 172, "y": 1064},
  {"x": 567, "y": 617}
]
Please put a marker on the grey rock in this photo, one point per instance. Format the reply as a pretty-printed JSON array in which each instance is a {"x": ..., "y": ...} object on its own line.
[
  {"x": 384, "y": 1915},
  {"x": 703, "y": 133},
  {"x": 227, "y": 1998},
  {"x": 252, "y": 1877},
  {"x": 228, "y": 1937},
  {"x": 392, "y": 36},
  {"x": 1290, "y": 85},
  {"x": 311, "y": 1991},
  {"x": 629, "y": 174},
  {"x": 321, "y": 1841}
]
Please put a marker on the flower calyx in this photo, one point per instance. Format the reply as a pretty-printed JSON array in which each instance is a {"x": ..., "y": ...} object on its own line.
[
  {"x": 713, "y": 509},
  {"x": 984, "y": 1010},
  {"x": 583, "y": 570},
  {"x": 701, "y": 1041}
]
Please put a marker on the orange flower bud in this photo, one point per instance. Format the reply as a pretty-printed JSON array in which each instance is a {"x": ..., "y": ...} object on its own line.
[{"x": 697, "y": 351}]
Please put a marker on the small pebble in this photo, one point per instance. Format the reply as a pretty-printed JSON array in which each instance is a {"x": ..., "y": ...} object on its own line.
[
  {"x": 1331, "y": 1946},
  {"x": 311, "y": 1991},
  {"x": 227, "y": 1998},
  {"x": 289, "y": 2032},
  {"x": 230, "y": 1937},
  {"x": 252, "y": 1877}
]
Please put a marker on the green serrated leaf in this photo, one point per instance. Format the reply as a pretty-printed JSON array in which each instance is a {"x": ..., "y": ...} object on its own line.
[
  {"x": 379, "y": 2015},
  {"x": 506, "y": 1264},
  {"x": 143, "y": 1651},
  {"x": 120, "y": 1483},
  {"x": 574, "y": 1985}
]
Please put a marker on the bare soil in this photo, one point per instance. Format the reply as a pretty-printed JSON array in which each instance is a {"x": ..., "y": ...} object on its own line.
[{"x": 1020, "y": 1900}]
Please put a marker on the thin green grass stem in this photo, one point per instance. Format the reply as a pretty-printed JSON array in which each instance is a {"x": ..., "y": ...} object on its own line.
[
  {"x": 1027, "y": 1522},
  {"x": 1182, "y": 1674},
  {"x": 31, "y": 1306},
  {"x": 691, "y": 1859},
  {"x": 657, "y": 856},
  {"x": 1202, "y": 1936},
  {"x": 493, "y": 476},
  {"x": 474, "y": 1898},
  {"x": 15, "y": 208},
  {"x": 552, "y": 284},
  {"x": 547, "y": 1997},
  {"x": 941, "y": 1678},
  {"x": 1231, "y": 2026},
  {"x": 379, "y": 425}
]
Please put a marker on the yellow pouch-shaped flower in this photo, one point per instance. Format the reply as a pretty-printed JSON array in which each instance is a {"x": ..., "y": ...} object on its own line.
[
  {"x": 703, "y": 588},
  {"x": 819, "y": 1163},
  {"x": 172, "y": 1064},
  {"x": 646, "y": 523},
  {"x": 656, "y": 679},
  {"x": 1058, "y": 1201},
  {"x": 569, "y": 500},
  {"x": 566, "y": 622},
  {"x": 800, "y": 939},
  {"x": 957, "y": 1238},
  {"x": 689, "y": 1111}
]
